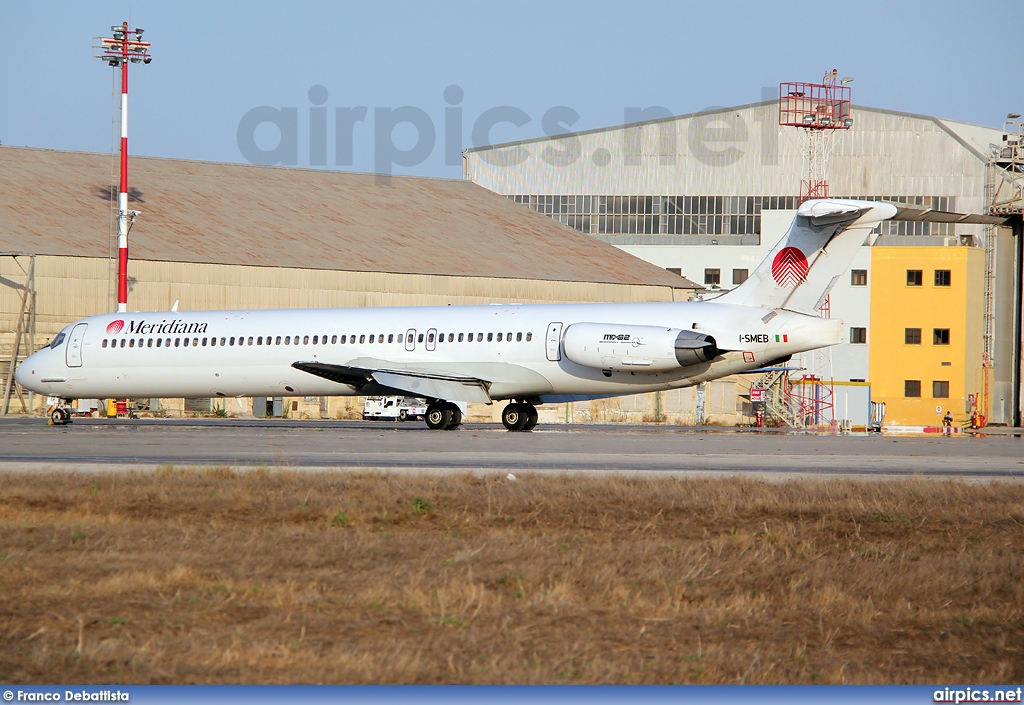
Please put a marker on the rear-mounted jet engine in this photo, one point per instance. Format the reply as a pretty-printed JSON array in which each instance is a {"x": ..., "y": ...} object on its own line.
[{"x": 630, "y": 348}]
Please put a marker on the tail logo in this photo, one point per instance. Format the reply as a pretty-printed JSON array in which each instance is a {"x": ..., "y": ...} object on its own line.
[
  {"x": 114, "y": 327},
  {"x": 789, "y": 268}
]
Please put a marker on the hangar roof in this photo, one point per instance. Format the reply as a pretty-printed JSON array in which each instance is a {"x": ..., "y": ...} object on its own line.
[{"x": 59, "y": 203}]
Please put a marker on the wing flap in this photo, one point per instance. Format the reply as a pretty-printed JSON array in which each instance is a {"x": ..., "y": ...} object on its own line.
[{"x": 416, "y": 382}]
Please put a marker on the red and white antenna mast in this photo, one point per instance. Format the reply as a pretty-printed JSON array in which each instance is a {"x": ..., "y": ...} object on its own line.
[
  {"x": 821, "y": 110},
  {"x": 126, "y": 46}
]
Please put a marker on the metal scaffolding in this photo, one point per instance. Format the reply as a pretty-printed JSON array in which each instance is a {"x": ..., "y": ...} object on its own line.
[{"x": 24, "y": 333}]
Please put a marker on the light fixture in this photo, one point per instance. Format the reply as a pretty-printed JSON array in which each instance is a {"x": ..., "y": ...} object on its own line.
[
  {"x": 1012, "y": 116},
  {"x": 808, "y": 119},
  {"x": 847, "y": 79},
  {"x": 848, "y": 122},
  {"x": 825, "y": 120}
]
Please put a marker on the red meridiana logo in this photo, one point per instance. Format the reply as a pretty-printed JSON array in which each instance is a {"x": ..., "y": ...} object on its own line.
[
  {"x": 114, "y": 327},
  {"x": 789, "y": 268}
]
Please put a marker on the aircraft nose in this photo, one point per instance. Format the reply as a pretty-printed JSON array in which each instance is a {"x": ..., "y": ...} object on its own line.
[{"x": 30, "y": 373}]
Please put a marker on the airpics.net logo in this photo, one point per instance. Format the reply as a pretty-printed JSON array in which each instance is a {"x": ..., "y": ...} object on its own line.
[
  {"x": 789, "y": 268},
  {"x": 115, "y": 327}
]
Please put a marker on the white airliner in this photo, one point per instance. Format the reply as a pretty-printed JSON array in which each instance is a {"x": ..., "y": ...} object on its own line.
[{"x": 531, "y": 354}]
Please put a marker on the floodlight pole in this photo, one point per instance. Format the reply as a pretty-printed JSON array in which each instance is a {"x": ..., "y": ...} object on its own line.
[{"x": 125, "y": 46}]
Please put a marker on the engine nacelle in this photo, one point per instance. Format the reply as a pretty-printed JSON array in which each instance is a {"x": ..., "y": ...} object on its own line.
[{"x": 631, "y": 348}]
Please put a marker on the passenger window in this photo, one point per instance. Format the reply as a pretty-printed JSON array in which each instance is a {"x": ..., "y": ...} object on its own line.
[
  {"x": 419, "y": 338},
  {"x": 430, "y": 338},
  {"x": 177, "y": 342},
  {"x": 400, "y": 337},
  {"x": 287, "y": 340},
  {"x": 186, "y": 342},
  {"x": 460, "y": 337},
  {"x": 499, "y": 337},
  {"x": 391, "y": 337},
  {"x": 305, "y": 340},
  {"x": 204, "y": 342},
  {"x": 362, "y": 339},
  {"x": 490, "y": 337},
  {"x": 372, "y": 337},
  {"x": 131, "y": 343},
  {"x": 259, "y": 340},
  {"x": 158, "y": 341},
  {"x": 167, "y": 343},
  {"x": 213, "y": 342},
  {"x": 519, "y": 337},
  {"x": 316, "y": 339},
  {"x": 277, "y": 340},
  {"x": 250, "y": 340},
  {"x": 102, "y": 346},
  {"x": 149, "y": 342},
  {"x": 529, "y": 337},
  {"x": 334, "y": 340},
  {"x": 440, "y": 337},
  {"x": 508, "y": 337},
  {"x": 195, "y": 342},
  {"x": 232, "y": 340},
  {"x": 479, "y": 337}
]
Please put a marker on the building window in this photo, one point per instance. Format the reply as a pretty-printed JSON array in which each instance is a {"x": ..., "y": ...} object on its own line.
[
  {"x": 943, "y": 277},
  {"x": 912, "y": 336},
  {"x": 914, "y": 277},
  {"x": 940, "y": 336},
  {"x": 858, "y": 277},
  {"x": 739, "y": 276},
  {"x": 912, "y": 388},
  {"x": 712, "y": 276},
  {"x": 858, "y": 336},
  {"x": 940, "y": 389}
]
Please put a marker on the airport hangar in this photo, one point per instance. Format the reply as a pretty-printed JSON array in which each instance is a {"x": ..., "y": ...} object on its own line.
[
  {"x": 230, "y": 236},
  {"x": 708, "y": 194}
]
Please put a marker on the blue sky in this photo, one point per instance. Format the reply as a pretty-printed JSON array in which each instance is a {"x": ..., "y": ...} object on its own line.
[{"x": 216, "y": 61}]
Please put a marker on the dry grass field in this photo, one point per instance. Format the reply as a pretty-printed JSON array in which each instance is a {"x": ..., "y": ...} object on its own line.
[{"x": 279, "y": 577}]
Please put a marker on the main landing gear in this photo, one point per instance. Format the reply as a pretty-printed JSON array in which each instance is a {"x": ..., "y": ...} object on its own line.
[
  {"x": 519, "y": 416},
  {"x": 443, "y": 415}
]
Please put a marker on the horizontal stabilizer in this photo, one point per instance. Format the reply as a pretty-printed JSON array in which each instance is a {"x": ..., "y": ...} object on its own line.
[{"x": 429, "y": 384}]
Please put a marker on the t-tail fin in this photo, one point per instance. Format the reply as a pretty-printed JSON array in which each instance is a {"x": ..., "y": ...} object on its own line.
[{"x": 803, "y": 267}]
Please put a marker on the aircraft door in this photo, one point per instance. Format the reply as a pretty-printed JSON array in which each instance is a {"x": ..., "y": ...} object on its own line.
[
  {"x": 410, "y": 339},
  {"x": 431, "y": 337},
  {"x": 553, "y": 342},
  {"x": 73, "y": 356}
]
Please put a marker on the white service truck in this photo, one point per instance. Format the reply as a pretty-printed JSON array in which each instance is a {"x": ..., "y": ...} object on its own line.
[{"x": 395, "y": 408}]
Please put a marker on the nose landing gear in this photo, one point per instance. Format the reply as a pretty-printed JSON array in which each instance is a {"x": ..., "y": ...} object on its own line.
[
  {"x": 59, "y": 415},
  {"x": 519, "y": 416}
]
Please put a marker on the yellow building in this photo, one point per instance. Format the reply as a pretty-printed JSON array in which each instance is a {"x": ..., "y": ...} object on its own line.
[{"x": 925, "y": 342}]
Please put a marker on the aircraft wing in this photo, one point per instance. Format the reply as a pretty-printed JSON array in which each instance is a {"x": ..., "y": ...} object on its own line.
[{"x": 433, "y": 384}]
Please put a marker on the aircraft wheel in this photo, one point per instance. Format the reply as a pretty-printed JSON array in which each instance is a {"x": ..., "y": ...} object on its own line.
[
  {"x": 531, "y": 417},
  {"x": 514, "y": 417},
  {"x": 403, "y": 415},
  {"x": 438, "y": 416},
  {"x": 60, "y": 417},
  {"x": 456, "y": 417}
]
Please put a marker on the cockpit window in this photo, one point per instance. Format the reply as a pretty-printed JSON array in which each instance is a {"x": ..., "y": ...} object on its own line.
[{"x": 55, "y": 343}]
